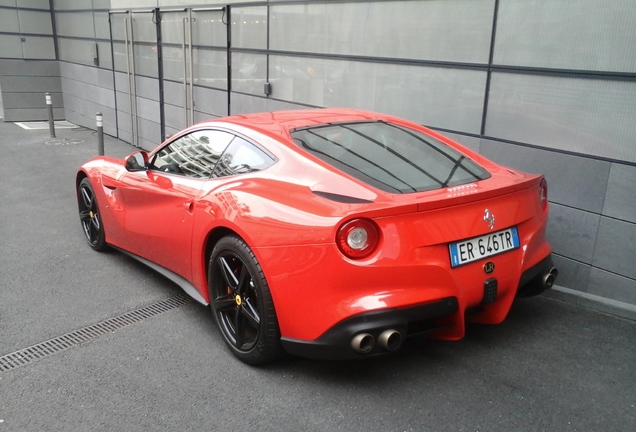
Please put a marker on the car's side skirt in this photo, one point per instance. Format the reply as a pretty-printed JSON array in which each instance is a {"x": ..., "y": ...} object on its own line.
[{"x": 182, "y": 282}]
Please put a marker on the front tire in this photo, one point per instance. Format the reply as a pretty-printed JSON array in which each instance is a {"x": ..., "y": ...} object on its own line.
[
  {"x": 241, "y": 302},
  {"x": 90, "y": 217}
]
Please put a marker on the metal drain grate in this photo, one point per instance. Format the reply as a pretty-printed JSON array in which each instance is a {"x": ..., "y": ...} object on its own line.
[{"x": 60, "y": 343}]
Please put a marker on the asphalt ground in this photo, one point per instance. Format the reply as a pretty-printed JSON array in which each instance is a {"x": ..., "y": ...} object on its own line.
[{"x": 551, "y": 366}]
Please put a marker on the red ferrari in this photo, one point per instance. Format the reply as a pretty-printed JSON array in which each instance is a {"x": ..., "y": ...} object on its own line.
[{"x": 327, "y": 233}]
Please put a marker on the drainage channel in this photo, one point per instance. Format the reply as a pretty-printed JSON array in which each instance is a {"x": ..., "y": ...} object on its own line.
[{"x": 69, "y": 340}]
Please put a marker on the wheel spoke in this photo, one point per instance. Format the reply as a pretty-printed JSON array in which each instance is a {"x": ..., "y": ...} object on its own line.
[
  {"x": 95, "y": 222},
  {"x": 239, "y": 329},
  {"x": 85, "y": 215},
  {"x": 224, "y": 303},
  {"x": 87, "y": 197},
  {"x": 251, "y": 314},
  {"x": 243, "y": 281},
  {"x": 228, "y": 275}
]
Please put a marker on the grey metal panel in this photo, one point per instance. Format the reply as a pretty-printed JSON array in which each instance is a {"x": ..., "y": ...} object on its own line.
[
  {"x": 250, "y": 30},
  {"x": 124, "y": 135},
  {"x": 9, "y": 21},
  {"x": 125, "y": 4},
  {"x": 209, "y": 29},
  {"x": 71, "y": 87},
  {"x": 589, "y": 116},
  {"x": 582, "y": 34},
  {"x": 620, "y": 199},
  {"x": 77, "y": 24},
  {"x": 472, "y": 143},
  {"x": 243, "y": 104},
  {"x": 32, "y": 84},
  {"x": 10, "y": 46},
  {"x": 105, "y": 97},
  {"x": 174, "y": 116},
  {"x": 31, "y": 114},
  {"x": 104, "y": 58},
  {"x": 7, "y": 3},
  {"x": 572, "y": 274},
  {"x": 29, "y": 67},
  {"x": 69, "y": 4},
  {"x": 35, "y": 4},
  {"x": 35, "y": 22},
  {"x": 105, "y": 79},
  {"x": 102, "y": 28},
  {"x": 31, "y": 100},
  {"x": 111, "y": 130},
  {"x": 249, "y": 72},
  {"x": 75, "y": 88},
  {"x": 35, "y": 47},
  {"x": 171, "y": 131},
  {"x": 148, "y": 109},
  {"x": 199, "y": 117},
  {"x": 146, "y": 60},
  {"x": 81, "y": 112},
  {"x": 149, "y": 131},
  {"x": 121, "y": 82},
  {"x": 574, "y": 181},
  {"x": 616, "y": 247},
  {"x": 572, "y": 233},
  {"x": 146, "y": 144},
  {"x": 441, "y": 30},
  {"x": 173, "y": 93},
  {"x": 101, "y": 4},
  {"x": 210, "y": 101},
  {"x": 123, "y": 103},
  {"x": 438, "y": 97},
  {"x": 210, "y": 68},
  {"x": 613, "y": 286},
  {"x": 147, "y": 88},
  {"x": 75, "y": 50}
]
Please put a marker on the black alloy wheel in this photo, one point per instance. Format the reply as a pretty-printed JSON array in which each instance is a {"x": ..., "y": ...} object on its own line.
[
  {"x": 241, "y": 302},
  {"x": 90, "y": 217}
]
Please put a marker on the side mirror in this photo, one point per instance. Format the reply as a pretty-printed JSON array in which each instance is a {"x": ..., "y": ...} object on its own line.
[{"x": 137, "y": 161}]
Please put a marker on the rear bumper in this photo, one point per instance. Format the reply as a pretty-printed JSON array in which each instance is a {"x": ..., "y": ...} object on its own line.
[
  {"x": 364, "y": 335},
  {"x": 336, "y": 343},
  {"x": 537, "y": 279}
]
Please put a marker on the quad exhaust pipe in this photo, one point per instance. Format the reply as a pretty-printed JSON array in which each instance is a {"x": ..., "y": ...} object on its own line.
[
  {"x": 390, "y": 339},
  {"x": 363, "y": 343},
  {"x": 549, "y": 278}
]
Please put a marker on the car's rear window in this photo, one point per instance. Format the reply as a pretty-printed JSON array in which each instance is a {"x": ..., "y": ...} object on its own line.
[{"x": 390, "y": 157}]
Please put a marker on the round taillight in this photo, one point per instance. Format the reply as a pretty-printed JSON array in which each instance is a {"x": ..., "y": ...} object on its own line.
[
  {"x": 358, "y": 238},
  {"x": 543, "y": 194}
]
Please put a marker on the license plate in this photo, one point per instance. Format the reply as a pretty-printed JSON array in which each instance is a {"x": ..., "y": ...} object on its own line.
[{"x": 484, "y": 246}]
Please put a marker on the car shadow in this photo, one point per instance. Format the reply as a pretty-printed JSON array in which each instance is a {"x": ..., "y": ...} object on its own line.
[{"x": 427, "y": 357}]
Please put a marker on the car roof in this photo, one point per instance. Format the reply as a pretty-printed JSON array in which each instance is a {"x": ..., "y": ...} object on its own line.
[{"x": 281, "y": 122}]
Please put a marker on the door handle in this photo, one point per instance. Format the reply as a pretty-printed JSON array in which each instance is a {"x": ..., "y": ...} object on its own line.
[{"x": 189, "y": 206}]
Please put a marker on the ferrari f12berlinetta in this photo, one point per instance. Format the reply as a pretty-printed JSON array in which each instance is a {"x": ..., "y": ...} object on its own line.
[{"x": 328, "y": 233}]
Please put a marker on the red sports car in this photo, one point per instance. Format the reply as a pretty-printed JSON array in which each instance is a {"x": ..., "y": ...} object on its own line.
[{"x": 328, "y": 233}]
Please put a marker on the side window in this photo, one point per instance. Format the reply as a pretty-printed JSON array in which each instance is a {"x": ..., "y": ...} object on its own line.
[
  {"x": 192, "y": 155},
  {"x": 241, "y": 157}
]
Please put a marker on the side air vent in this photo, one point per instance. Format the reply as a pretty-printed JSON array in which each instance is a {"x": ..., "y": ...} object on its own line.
[{"x": 341, "y": 198}]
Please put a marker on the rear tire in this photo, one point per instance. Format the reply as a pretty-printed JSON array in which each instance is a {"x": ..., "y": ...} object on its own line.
[
  {"x": 90, "y": 217},
  {"x": 242, "y": 304}
]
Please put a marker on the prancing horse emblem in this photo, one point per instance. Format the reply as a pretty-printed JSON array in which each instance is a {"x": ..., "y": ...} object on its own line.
[{"x": 490, "y": 218}]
